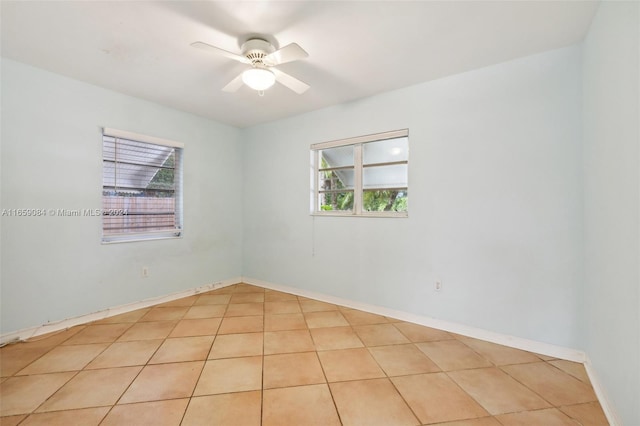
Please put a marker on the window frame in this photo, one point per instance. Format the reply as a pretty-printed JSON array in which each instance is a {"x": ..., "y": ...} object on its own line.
[
  {"x": 358, "y": 190},
  {"x": 173, "y": 233}
]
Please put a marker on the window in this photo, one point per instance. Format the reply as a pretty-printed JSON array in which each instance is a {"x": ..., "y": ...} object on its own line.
[
  {"x": 363, "y": 176},
  {"x": 141, "y": 187}
]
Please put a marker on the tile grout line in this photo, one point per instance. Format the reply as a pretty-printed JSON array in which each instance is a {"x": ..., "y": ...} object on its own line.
[
  {"x": 324, "y": 373},
  {"x": 215, "y": 335}
]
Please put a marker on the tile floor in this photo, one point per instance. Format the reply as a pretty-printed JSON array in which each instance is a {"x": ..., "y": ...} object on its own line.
[{"x": 243, "y": 355}]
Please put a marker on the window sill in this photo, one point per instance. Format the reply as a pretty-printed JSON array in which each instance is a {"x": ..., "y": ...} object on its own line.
[
  {"x": 138, "y": 238},
  {"x": 395, "y": 215}
]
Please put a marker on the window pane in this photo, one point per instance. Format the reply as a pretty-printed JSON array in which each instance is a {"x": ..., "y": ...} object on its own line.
[
  {"x": 336, "y": 157},
  {"x": 335, "y": 201},
  {"x": 386, "y": 151},
  {"x": 336, "y": 179},
  {"x": 379, "y": 177},
  {"x": 385, "y": 200}
]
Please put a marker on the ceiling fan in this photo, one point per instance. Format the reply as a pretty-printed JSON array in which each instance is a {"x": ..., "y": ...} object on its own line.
[{"x": 263, "y": 58}]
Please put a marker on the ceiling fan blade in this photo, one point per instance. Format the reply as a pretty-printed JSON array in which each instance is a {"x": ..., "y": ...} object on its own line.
[
  {"x": 234, "y": 84},
  {"x": 291, "y": 82},
  {"x": 289, "y": 53},
  {"x": 222, "y": 52}
]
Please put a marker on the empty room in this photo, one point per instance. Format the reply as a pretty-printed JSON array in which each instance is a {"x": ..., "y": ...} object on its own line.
[{"x": 320, "y": 213}]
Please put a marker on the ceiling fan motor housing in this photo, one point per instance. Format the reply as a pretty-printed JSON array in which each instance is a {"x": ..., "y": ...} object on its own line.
[{"x": 256, "y": 49}]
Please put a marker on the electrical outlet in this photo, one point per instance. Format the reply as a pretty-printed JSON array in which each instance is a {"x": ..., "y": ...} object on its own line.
[
  {"x": 438, "y": 286},
  {"x": 145, "y": 272}
]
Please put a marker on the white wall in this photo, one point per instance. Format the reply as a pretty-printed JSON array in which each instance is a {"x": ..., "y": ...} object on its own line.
[
  {"x": 612, "y": 203},
  {"x": 55, "y": 267},
  {"x": 495, "y": 201}
]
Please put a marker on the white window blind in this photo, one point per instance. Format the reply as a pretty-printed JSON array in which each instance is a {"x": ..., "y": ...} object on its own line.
[{"x": 141, "y": 187}]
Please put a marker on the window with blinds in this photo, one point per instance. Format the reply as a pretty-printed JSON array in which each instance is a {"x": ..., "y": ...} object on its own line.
[{"x": 141, "y": 187}]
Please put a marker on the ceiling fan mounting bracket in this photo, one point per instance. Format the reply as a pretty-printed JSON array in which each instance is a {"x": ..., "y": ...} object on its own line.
[{"x": 256, "y": 49}]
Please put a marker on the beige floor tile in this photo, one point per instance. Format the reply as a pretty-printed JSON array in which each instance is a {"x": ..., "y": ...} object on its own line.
[
  {"x": 279, "y": 342},
  {"x": 554, "y": 385},
  {"x": 371, "y": 402},
  {"x": 65, "y": 358},
  {"x": 482, "y": 421},
  {"x": 84, "y": 417},
  {"x": 247, "y": 298},
  {"x": 547, "y": 417},
  {"x": 196, "y": 327},
  {"x": 148, "y": 331},
  {"x": 401, "y": 360},
  {"x": 92, "y": 388},
  {"x": 380, "y": 334},
  {"x": 14, "y": 358},
  {"x": 213, "y": 299},
  {"x": 182, "y": 302},
  {"x": 496, "y": 391},
  {"x": 234, "y": 325},
  {"x": 205, "y": 311},
  {"x": 499, "y": 354},
  {"x": 163, "y": 381},
  {"x": 230, "y": 375},
  {"x": 244, "y": 309},
  {"x": 182, "y": 349},
  {"x": 125, "y": 354},
  {"x": 349, "y": 364},
  {"x": 12, "y": 420},
  {"x": 236, "y": 345},
  {"x": 356, "y": 317},
  {"x": 295, "y": 369},
  {"x": 156, "y": 413},
  {"x": 165, "y": 314},
  {"x": 237, "y": 409},
  {"x": 278, "y": 296},
  {"x": 436, "y": 398},
  {"x": 574, "y": 368},
  {"x": 127, "y": 317},
  {"x": 22, "y": 395},
  {"x": 282, "y": 307},
  {"x": 102, "y": 333},
  {"x": 301, "y": 405},
  {"x": 419, "y": 333},
  {"x": 452, "y": 355},
  {"x": 589, "y": 414},
  {"x": 283, "y": 322},
  {"x": 316, "y": 306},
  {"x": 335, "y": 338},
  {"x": 325, "y": 319}
]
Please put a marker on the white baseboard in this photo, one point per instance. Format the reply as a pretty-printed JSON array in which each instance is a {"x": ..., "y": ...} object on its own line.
[
  {"x": 465, "y": 330},
  {"x": 607, "y": 406},
  {"x": 27, "y": 333}
]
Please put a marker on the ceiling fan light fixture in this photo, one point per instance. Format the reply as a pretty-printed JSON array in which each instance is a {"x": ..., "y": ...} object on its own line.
[{"x": 258, "y": 78}]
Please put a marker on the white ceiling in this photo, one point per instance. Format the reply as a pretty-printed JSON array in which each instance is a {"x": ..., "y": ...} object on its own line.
[{"x": 356, "y": 48}]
